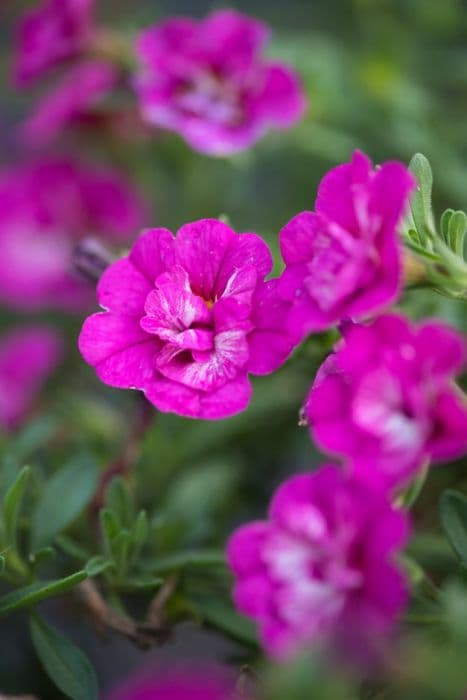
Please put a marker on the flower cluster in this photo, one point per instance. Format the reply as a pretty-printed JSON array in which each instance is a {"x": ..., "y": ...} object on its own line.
[
  {"x": 386, "y": 400},
  {"x": 46, "y": 208},
  {"x": 28, "y": 355},
  {"x": 188, "y": 318},
  {"x": 206, "y": 683},
  {"x": 322, "y": 565},
  {"x": 208, "y": 81}
]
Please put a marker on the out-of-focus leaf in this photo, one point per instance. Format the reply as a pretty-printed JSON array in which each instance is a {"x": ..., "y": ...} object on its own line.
[
  {"x": 63, "y": 499},
  {"x": 30, "y": 595},
  {"x": 118, "y": 501},
  {"x": 453, "y": 511},
  {"x": 181, "y": 560},
  {"x": 96, "y": 565},
  {"x": 421, "y": 199},
  {"x": 65, "y": 664},
  {"x": 12, "y": 504},
  {"x": 223, "y": 617}
]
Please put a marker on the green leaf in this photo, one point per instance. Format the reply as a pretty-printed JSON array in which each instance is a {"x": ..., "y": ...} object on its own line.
[
  {"x": 140, "y": 529},
  {"x": 456, "y": 232},
  {"x": 421, "y": 200},
  {"x": 65, "y": 664},
  {"x": 2, "y": 564},
  {"x": 180, "y": 560},
  {"x": 29, "y": 595},
  {"x": 444, "y": 223},
  {"x": 110, "y": 528},
  {"x": 97, "y": 565},
  {"x": 118, "y": 501},
  {"x": 120, "y": 550},
  {"x": 64, "y": 497},
  {"x": 12, "y": 504},
  {"x": 453, "y": 511},
  {"x": 223, "y": 617}
]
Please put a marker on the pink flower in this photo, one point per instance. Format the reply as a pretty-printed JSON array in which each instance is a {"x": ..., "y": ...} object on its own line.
[
  {"x": 320, "y": 568},
  {"x": 46, "y": 208},
  {"x": 208, "y": 81},
  {"x": 387, "y": 400},
  {"x": 73, "y": 101},
  {"x": 178, "y": 684},
  {"x": 188, "y": 318},
  {"x": 27, "y": 356},
  {"x": 48, "y": 35},
  {"x": 344, "y": 259}
]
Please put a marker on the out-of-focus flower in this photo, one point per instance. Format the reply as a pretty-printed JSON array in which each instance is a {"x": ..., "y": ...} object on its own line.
[
  {"x": 344, "y": 259},
  {"x": 386, "y": 398},
  {"x": 48, "y": 35},
  {"x": 73, "y": 101},
  {"x": 320, "y": 569},
  {"x": 188, "y": 318},
  {"x": 46, "y": 208},
  {"x": 178, "y": 684},
  {"x": 208, "y": 81},
  {"x": 27, "y": 356}
]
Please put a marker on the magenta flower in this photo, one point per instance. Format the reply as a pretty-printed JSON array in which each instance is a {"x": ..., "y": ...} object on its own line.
[
  {"x": 208, "y": 81},
  {"x": 48, "y": 35},
  {"x": 344, "y": 259},
  {"x": 73, "y": 101},
  {"x": 178, "y": 684},
  {"x": 321, "y": 568},
  {"x": 188, "y": 318},
  {"x": 46, "y": 208},
  {"x": 386, "y": 398},
  {"x": 27, "y": 356}
]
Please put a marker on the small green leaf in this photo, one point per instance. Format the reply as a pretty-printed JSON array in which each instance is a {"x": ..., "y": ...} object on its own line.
[
  {"x": 2, "y": 564},
  {"x": 456, "y": 232},
  {"x": 97, "y": 565},
  {"x": 110, "y": 528},
  {"x": 118, "y": 501},
  {"x": 444, "y": 223},
  {"x": 223, "y": 617},
  {"x": 453, "y": 511},
  {"x": 12, "y": 504},
  {"x": 194, "y": 558},
  {"x": 29, "y": 595},
  {"x": 421, "y": 200},
  {"x": 120, "y": 550},
  {"x": 64, "y": 497},
  {"x": 141, "y": 529},
  {"x": 65, "y": 664}
]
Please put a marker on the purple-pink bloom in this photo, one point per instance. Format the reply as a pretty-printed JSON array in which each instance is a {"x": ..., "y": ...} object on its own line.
[
  {"x": 320, "y": 570},
  {"x": 188, "y": 318},
  {"x": 178, "y": 684},
  {"x": 386, "y": 398},
  {"x": 50, "y": 34},
  {"x": 27, "y": 357},
  {"x": 344, "y": 260},
  {"x": 209, "y": 81},
  {"x": 82, "y": 89},
  {"x": 46, "y": 208}
]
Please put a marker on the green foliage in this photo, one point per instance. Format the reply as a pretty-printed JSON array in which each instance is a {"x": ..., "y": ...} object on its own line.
[
  {"x": 453, "y": 512},
  {"x": 63, "y": 498},
  {"x": 66, "y": 665}
]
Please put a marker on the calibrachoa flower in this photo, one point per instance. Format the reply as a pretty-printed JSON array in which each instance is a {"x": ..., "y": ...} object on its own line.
[
  {"x": 208, "y": 81},
  {"x": 386, "y": 398},
  {"x": 27, "y": 356},
  {"x": 321, "y": 568},
  {"x": 46, "y": 208},
  {"x": 344, "y": 259},
  {"x": 181, "y": 684},
  {"x": 48, "y": 35},
  {"x": 188, "y": 318},
  {"x": 73, "y": 101}
]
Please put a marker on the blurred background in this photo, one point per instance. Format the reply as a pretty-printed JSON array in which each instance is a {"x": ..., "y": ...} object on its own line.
[{"x": 386, "y": 76}]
